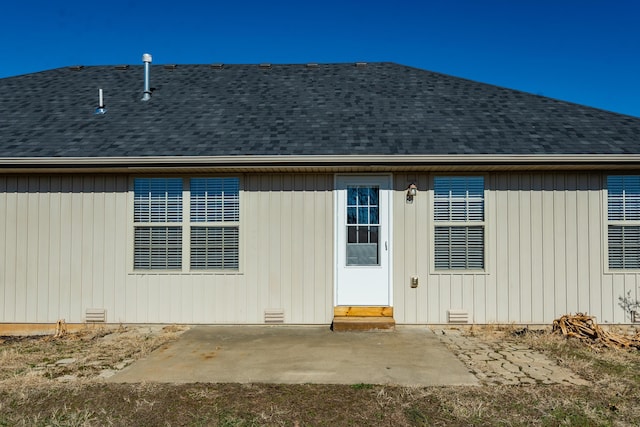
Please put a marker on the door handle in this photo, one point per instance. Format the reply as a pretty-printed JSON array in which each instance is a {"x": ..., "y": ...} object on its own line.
[{"x": 385, "y": 246}]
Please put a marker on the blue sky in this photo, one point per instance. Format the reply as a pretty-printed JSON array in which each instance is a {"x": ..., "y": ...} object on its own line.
[{"x": 585, "y": 51}]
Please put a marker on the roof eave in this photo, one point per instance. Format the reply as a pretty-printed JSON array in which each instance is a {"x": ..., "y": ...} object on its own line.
[{"x": 328, "y": 162}]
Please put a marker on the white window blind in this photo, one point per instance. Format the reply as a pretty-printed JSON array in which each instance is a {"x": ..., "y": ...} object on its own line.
[
  {"x": 459, "y": 223},
  {"x": 214, "y": 248},
  {"x": 215, "y": 213},
  {"x": 459, "y": 198},
  {"x": 215, "y": 199},
  {"x": 624, "y": 246},
  {"x": 202, "y": 227},
  {"x": 157, "y": 200},
  {"x": 158, "y": 248},
  {"x": 459, "y": 248},
  {"x": 623, "y": 205}
]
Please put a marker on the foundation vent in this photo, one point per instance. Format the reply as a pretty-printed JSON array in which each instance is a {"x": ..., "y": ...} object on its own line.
[
  {"x": 96, "y": 315},
  {"x": 274, "y": 316},
  {"x": 458, "y": 316}
]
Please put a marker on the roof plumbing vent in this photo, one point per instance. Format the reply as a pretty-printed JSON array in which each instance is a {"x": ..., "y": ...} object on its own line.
[
  {"x": 146, "y": 58},
  {"x": 101, "y": 109}
]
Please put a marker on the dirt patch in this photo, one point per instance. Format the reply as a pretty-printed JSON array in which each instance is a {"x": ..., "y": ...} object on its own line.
[
  {"x": 58, "y": 382},
  {"x": 90, "y": 354}
]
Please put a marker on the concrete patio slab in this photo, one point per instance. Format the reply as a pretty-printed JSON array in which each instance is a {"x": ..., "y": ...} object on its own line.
[{"x": 410, "y": 356}]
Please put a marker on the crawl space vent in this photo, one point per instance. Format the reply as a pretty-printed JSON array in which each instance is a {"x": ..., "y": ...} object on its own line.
[
  {"x": 96, "y": 315},
  {"x": 274, "y": 316},
  {"x": 458, "y": 316}
]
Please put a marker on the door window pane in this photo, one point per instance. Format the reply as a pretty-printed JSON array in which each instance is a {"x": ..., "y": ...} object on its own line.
[
  {"x": 352, "y": 215},
  {"x": 363, "y": 196},
  {"x": 373, "y": 216},
  {"x": 363, "y": 216},
  {"x": 352, "y": 196}
]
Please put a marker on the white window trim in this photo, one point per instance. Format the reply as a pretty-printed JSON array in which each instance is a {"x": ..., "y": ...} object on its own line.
[
  {"x": 432, "y": 223},
  {"x": 185, "y": 224},
  {"x": 605, "y": 229}
]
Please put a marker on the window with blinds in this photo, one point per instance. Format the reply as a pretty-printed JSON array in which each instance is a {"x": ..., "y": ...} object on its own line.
[
  {"x": 157, "y": 215},
  {"x": 623, "y": 214},
  {"x": 195, "y": 219},
  {"x": 215, "y": 216},
  {"x": 459, "y": 237}
]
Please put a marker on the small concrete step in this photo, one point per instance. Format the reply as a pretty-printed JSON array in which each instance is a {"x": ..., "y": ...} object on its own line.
[{"x": 363, "y": 323}]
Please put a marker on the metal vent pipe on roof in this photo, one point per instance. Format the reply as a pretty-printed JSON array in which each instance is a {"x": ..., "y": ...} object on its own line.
[
  {"x": 101, "y": 109},
  {"x": 146, "y": 58}
]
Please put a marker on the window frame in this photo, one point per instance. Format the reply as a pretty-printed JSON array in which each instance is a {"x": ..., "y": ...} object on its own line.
[
  {"x": 433, "y": 224},
  {"x": 185, "y": 225},
  {"x": 616, "y": 223}
]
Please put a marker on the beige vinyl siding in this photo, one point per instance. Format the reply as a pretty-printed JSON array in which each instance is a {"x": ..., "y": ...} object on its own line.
[
  {"x": 66, "y": 246},
  {"x": 545, "y": 253},
  {"x": 66, "y": 243},
  {"x": 60, "y": 246}
]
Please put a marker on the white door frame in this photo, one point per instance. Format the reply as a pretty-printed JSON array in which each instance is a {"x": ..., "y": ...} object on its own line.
[{"x": 386, "y": 236}]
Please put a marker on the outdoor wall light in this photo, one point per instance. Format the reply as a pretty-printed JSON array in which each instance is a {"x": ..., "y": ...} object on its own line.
[{"x": 412, "y": 191}]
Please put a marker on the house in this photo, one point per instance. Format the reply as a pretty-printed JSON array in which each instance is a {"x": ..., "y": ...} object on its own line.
[{"x": 250, "y": 194}]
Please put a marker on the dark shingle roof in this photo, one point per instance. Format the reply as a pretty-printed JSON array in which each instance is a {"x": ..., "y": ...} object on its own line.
[{"x": 332, "y": 109}]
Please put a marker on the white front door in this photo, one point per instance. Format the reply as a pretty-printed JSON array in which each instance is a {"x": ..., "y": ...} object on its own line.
[{"x": 363, "y": 241}]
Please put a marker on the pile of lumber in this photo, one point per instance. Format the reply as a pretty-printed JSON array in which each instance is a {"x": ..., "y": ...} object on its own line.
[{"x": 586, "y": 329}]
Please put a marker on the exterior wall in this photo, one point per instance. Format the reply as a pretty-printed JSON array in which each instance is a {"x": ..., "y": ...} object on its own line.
[
  {"x": 66, "y": 248},
  {"x": 66, "y": 244},
  {"x": 545, "y": 254}
]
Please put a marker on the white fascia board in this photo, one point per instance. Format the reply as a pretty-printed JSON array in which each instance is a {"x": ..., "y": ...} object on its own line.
[{"x": 315, "y": 160}]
